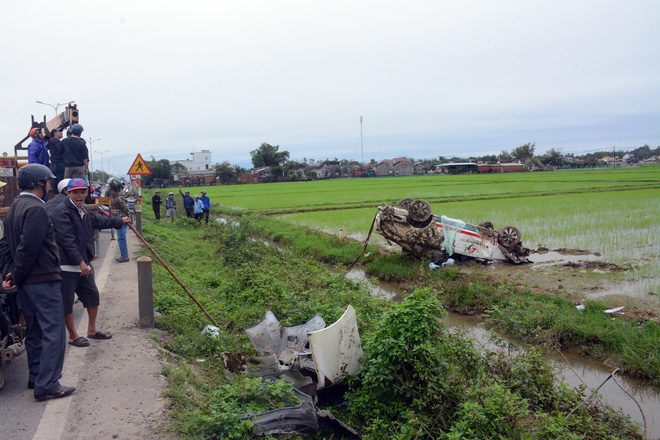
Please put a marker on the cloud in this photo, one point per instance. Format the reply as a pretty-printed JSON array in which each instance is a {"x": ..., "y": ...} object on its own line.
[{"x": 165, "y": 78}]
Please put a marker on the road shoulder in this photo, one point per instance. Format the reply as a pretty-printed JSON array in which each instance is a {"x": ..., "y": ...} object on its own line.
[{"x": 118, "y": 381}]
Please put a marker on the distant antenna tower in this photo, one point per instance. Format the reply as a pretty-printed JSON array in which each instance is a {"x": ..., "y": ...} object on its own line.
[{"x": 361, "y": 145}]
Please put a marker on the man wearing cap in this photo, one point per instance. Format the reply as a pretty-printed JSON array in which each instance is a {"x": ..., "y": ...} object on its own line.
[
  {"x": 31, "y": 263},
  {"x": 75, "y": 154},
  {"x": 61, "y": 196},
  {"x": 207, "y": 206},
  {"x": 74, "y": 232},
  {"x": 156, "y": 201},
  {"x": 170, "y": 207},
  {"x": 37, "y": 151},
  {"x": 56, "y": 158},
  {"x": 199, "y": 208},
  {"x": 188, "y": 202}
]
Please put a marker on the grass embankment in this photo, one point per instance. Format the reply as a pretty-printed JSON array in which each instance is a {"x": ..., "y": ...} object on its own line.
[{"x": 417, "y": 380}]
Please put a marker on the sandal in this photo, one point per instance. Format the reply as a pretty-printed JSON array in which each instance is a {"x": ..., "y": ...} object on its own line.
[
  {"x": 100, "y": 335},
  {"x": 79, "y": 342}
]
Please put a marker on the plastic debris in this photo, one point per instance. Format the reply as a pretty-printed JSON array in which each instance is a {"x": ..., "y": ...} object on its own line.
[
  {"x": 434, "y": 266},
  {"x": 449, "y": 262},
  {"x": 212, "y": 330},
  {"x": 580, "y": 307},
  {"x": 617, "y": 309}
]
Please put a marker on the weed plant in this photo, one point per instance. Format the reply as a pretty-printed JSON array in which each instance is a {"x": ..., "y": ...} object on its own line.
[{"x": 417, "y": 381}]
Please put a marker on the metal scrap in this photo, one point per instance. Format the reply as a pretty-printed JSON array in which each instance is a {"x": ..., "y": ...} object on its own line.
[{"x": 311, "y": 357}]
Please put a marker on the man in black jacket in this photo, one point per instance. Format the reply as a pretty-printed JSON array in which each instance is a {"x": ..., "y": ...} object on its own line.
[
  {"x": 156, "y": 201},
  {"x": 56, "y": 158},
  {"x": 31, "y": 263},
  {"x": 75, "y": 154},
  {"x": 74, "y": 232}
]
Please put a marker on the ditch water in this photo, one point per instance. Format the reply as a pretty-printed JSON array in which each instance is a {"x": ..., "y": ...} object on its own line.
[
  {"x": 641, "y": 281},
  {"x": 571, "y": 368}
]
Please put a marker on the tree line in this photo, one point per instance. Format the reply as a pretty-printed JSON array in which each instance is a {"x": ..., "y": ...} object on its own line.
[{"x": 267, "y": 155}]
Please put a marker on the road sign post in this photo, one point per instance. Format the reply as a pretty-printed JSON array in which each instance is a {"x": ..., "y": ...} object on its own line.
[{"x": 137, "y": 170}]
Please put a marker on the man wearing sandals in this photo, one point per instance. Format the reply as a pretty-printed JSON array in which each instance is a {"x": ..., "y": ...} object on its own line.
[
  {"x": 31, "y": 263},
  {"x": 74, "y": 232}
]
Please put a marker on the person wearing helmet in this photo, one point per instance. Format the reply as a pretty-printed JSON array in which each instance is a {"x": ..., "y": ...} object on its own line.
[
  {"x": 75, "y": 154},
  {"x": 188, "y": 202},
  {"x": 74, "y": 233},
  {"x": 119, "y": 208},
  {"x": 59, "y": 198},
  {"x": 156, "y": 201},
  {"x": 170, "y": 207},
  {"x": 207, "y": 206},
  {"x": 56, "y": 159},
  {"x": 32, "y": 264},
  {"x": 37, "y": 149}
]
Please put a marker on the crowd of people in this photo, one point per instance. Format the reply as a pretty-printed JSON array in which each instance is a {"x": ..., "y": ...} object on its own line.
[
  {"x": 198, "y": 207},
  {"x": 47, "y": 246},
  {"x": 46, "y": 250},
  {"x": 67, "y": 159}
]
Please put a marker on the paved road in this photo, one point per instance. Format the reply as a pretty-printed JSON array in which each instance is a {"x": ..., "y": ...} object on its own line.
[{"x": 20, "y": 415}]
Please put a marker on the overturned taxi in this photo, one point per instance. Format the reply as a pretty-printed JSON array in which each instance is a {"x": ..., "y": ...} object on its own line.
[{"x": 419, "y": 232}]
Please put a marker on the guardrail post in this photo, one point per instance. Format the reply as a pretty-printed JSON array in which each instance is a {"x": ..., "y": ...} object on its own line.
[
  {"x": 145, "y": 292},
  {"x": 138, "y": 221}
]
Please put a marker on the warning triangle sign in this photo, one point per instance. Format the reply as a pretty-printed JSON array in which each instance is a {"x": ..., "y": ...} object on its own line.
[{"x": 139, "y": 166}]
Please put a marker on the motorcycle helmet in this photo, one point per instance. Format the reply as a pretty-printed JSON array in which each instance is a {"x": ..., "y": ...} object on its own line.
[
  {"x": 30, "y": 175},
  {"x": 115, "y": 184},
  {"x": 34, "y": 133}
]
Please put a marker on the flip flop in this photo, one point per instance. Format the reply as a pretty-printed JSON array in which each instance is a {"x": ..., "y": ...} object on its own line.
[
  {"x": 79, "y": 342},
  {"x": 100, "y": 335}
]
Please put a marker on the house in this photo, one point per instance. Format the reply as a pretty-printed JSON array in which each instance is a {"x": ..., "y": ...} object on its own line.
[
  {"x": 196, "y": 178},
  {"x": 399, "y": 166},
  {"x": 384, "y": 168},
  {"x": 610, "y": 160},
  {"x": 628, "y": 158},
  {"x": 200, "y": 161},
  {"x": 502, "y": 168},
  {"x": 402, "y": 167}
]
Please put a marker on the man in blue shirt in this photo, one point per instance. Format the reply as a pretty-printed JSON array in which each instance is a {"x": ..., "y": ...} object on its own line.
[
  {"x": 207, "y": 206},
  {"x": 199, "y": 208},
  {"x": 188, "y": 202}
]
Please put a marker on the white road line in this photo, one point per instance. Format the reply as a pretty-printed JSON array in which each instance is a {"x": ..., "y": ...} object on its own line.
[{"x": 55, "y": 416}]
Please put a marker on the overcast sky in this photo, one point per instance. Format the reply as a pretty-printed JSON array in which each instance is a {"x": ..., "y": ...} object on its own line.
[{"x": 452, "y": 78}]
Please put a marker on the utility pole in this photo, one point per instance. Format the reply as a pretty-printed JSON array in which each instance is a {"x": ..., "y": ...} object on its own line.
[{"x": 361, "y": 144}]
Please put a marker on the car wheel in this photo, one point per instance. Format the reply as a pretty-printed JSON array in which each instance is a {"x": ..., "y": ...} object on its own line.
[
  {"x": 509, "y": 236},
  {"x": 404, "y": 202},
  {"x": 420, "y": 210}
]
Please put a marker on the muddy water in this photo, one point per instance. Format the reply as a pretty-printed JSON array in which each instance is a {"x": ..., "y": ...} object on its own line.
[
  {"x": 572, "y": 368},
  {"x": 643, "y": 283}
]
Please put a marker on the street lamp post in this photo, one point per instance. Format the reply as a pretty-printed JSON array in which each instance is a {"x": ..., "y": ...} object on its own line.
[
  {"x": 91, "y": 162},
  {"x": 56, "y": 106},
  {"x": 101, "y": 153}
]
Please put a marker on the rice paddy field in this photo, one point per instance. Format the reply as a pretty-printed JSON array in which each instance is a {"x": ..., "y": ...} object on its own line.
[{"x": 614, "y": 212}]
